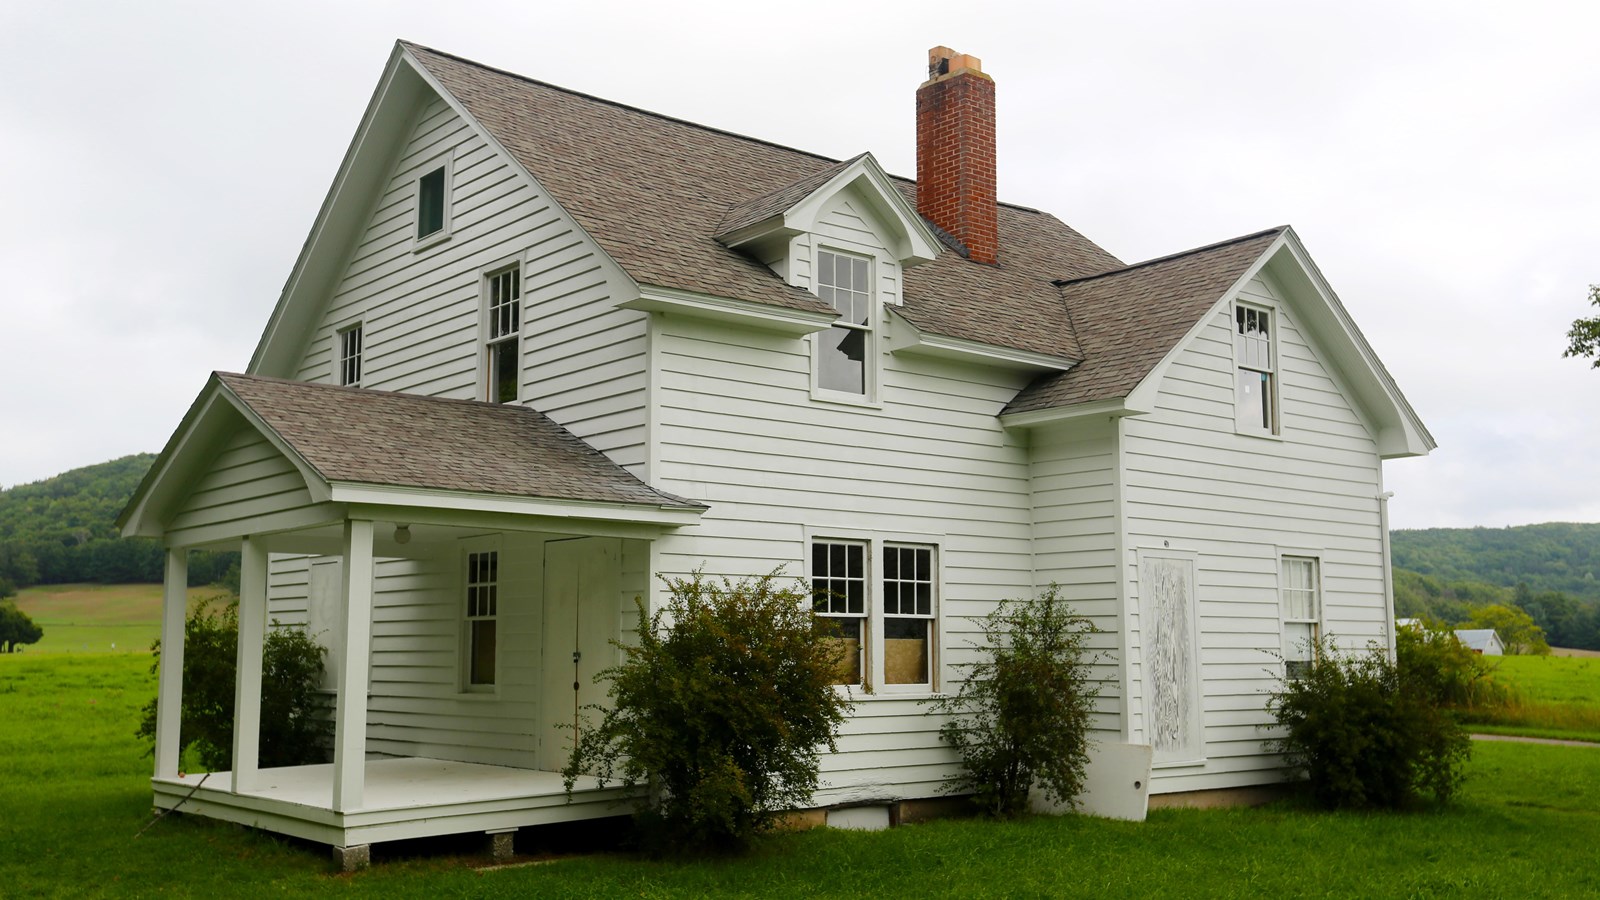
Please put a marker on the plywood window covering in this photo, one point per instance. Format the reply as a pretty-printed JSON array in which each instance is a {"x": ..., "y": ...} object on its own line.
[
  {"x": 839, "y": 592},
  {"x": 430, "y": 203},
  {"x": 1257, "y": 408},
  {"x": 350, "y": 356},
  {"x": 1302, "y": 613},
  {"x": 908, "y": 612},
  {"x": 482, "y": 610},
  {"x": 844, "y": 282},
  {"x": 505, "y": 328}
]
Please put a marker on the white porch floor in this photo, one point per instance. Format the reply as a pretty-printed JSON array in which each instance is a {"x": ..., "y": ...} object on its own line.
[{"x": 403, "y": 798}]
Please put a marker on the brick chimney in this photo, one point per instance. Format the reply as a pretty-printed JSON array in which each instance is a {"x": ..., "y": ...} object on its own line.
[{"x": 955, "y": 152}]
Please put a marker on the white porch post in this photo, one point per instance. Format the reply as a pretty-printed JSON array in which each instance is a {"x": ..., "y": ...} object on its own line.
[
  {"x": 169, "y": 691},
  {"x": 247, "y": 684},
  {"x": 350, "y": 719}
]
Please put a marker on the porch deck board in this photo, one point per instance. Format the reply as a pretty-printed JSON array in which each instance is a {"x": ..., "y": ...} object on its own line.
[{"x": 403, "y": 797}]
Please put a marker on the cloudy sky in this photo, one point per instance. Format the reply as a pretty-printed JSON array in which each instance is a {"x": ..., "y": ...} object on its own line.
[{"x": 164, "y": 160}]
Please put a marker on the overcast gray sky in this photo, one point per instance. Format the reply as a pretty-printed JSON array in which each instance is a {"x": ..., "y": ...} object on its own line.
[{"x": 164, "y": 160}]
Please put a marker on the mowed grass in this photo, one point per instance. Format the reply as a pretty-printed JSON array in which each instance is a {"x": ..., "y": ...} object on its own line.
[
  {"x": 1555, "y": 697},
  {"x": 76, "y": 792},
  {"x": 97, "y": 618}
]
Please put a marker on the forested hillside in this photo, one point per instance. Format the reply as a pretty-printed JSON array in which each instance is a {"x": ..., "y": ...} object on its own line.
[
  {"x": 63, "y": 529},
  {"x": 1550, "y": 571}
]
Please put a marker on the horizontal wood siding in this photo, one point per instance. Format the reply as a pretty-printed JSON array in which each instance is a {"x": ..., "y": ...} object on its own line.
[
  {"x": 738, "y": 429},
  {"x": 1239, "y": 501},
  {"x": 422, "y": 312},
  {"x": 247, "y": 479},
  {"x": 1074, "y": 470}
]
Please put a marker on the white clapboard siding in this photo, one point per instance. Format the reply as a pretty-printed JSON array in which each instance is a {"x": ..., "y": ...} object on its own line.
[
  {"x": 1237, "y": 501},
  {"x": 583, "y": 362},
  {"x": 737, "y": 428},
  {"x": 247, "y": 479}
]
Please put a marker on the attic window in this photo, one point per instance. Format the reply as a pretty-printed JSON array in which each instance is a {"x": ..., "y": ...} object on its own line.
[
  {"x": 350, "y": 356},
  {"x": 844, "y": 282},
  {"x": 432, "y": 189},
  {"x": 502, "y": 337},
  {"x": 1256, "y": 404}
]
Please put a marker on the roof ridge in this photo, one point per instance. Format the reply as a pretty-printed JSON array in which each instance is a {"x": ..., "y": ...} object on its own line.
[
  {"x": 666, "y": 118},
  {"x": 1279, "y": 229}
]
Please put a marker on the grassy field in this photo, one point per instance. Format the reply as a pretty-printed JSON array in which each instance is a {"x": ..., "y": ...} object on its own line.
[
  {"x": 77, "y": 792},
  {"x": 1556, "y": 697},
  {"x": 97, "y": 618}
]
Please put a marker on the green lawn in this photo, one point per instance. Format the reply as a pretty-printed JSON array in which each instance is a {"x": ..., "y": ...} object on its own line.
[
  {"x": 97, "y": 618},
  {"x": 1556, "y": 697},
  {"x": 76, "y": 793}
]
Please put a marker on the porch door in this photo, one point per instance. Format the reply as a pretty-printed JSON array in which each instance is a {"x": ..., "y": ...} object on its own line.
[{"x": 582, "y": 603}]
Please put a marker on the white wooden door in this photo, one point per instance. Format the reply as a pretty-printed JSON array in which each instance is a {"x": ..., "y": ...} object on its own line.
[{"x": 581, "y": 604}]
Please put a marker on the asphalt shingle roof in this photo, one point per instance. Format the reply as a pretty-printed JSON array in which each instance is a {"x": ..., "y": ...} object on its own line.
[{"x": 383, "y": 438}]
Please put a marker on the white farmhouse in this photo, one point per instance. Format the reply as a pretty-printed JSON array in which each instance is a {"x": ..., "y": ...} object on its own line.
[{"x": 541, "y": 348}]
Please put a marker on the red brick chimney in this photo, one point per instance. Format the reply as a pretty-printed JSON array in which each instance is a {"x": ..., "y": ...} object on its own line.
[{"x": 955, "y": 152}]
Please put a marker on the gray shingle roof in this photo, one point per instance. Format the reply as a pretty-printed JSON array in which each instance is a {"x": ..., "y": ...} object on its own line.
[
  {"x": 751, "y": 211},
  {"x": 655, "y": 192},
  {"x": 1128, "y": 319},
  {"x": 382, "y": 438}
]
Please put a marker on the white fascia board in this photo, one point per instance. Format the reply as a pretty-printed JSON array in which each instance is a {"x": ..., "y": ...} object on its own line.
[
  {"x": 615, "y": 274},
  {"x": 366, "y": 161},
  {"x": 913, "y": 341},
  {"x": 795, "y": 322},
  {"x": 1401, "y": 432},
  {"x": 1117, "y": 409},
  {"x": 316, "y": 485},
  {"x": 394, "y": 496},
  {"x": 916, "y": 243}
]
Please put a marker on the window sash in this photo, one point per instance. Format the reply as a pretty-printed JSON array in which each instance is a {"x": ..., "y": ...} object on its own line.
[
  {"x": 481, "y": 613},
  {"x": 888, "y": 620},
  {"x": 350, "y": 356},
  {"x": 430, "y": 203}
]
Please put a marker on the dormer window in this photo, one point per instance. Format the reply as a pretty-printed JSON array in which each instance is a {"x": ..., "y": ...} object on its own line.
[
  {"x": 844, "y": 282},
  {"x": 1256, "y": 403}
]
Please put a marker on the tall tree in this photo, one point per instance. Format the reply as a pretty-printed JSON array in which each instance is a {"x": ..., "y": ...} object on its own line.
[
  {"x": 16, "y": 628},
  {"x": 1583, "y": 339}
]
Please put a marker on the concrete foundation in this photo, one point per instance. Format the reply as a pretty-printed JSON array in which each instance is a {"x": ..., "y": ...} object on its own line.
[
  {"x": 502, "y": 845},
  {"x": 352, "y": 858},
  {"x": 1240, "y": 796}
]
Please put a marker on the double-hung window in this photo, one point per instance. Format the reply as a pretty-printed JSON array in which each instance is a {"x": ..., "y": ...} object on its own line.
[
  {"x": 1300, "y": 587},
  {"x": 844, "y": 282},
  {"x": 1256, "y": 399},
  {"x": 482, "y": 609},
  {"x": 886, "y": 614},
  {"x": 502, "y": 336},
  {"x": 350, "y": 356}
]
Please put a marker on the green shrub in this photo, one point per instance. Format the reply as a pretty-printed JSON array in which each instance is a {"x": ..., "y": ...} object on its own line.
[
  {"x": 295, "y": 729},
  {"x": 721, "y": 708},
  {"x": 16, "y": 628},
  {"x": 1364, "y": 735},
  {"x": 1434, "y": 663},
  {"x": 1021, "y": 718}
]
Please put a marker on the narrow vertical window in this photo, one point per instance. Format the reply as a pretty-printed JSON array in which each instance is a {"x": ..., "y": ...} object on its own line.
[
  {"x": 839, "y": 593},
  {"x": 842, "y": 351},
  {"x": 482, "y": 608},
  {"x": 908, "y": 613},
  {"x": 1256, "y": 403},
  {"x": 502, "y": 341},
  {"x": 430, "y": 203},
  {"x": 350, "y": 356},
  {"x": 1302, "y": 613}
]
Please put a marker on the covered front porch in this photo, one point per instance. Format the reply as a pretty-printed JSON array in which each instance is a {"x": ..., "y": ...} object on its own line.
[{"x": 464, "y": 614}]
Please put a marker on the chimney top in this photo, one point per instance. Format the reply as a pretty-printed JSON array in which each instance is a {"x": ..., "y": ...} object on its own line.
[{"x": 944, "y": 63}]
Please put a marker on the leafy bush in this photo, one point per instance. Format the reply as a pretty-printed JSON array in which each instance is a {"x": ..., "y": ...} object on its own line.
[
  {"x": 1022, "y": 716},
  {"x": 722, "y": 708},
  {"x": 16, "y": 628},
  {"x": 295, "y": 730},
  {"x": 1365, "y": 735},
  {"x": 1433, "y": 662}
]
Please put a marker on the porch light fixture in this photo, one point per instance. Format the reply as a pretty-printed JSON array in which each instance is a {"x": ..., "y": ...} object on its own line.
[{"x": 402, "y": 534}]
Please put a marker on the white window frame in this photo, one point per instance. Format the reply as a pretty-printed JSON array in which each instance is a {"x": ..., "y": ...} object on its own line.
[
  {"x": 421, "y": 241},
  {"x": 345, "y": 360},
  {"x": 1247, "y": 419},
  {"x": 493, "y": 318},
  {"x": 871, "y": 330},
  {"x": 875, "y": 543},
  {"x": 466, "y": 614},
  {"x": 1290, "y": 625}
]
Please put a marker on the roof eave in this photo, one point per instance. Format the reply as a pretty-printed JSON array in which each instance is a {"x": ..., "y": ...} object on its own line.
[
  {"x": 664, "y": 514},
  {"x": 749, "y": 314},
  {"x": 907, "y": 338}
]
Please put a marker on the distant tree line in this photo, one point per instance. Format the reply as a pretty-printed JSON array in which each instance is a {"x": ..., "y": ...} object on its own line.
[
  {"x": 63, "y": 530},
  {"x": 1562, "y": 620}
]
